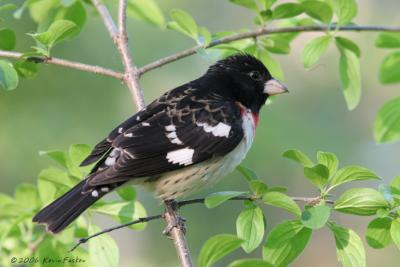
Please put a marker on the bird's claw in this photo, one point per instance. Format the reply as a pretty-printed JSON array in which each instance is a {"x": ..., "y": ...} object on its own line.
[{"x": 176, "y": 222}]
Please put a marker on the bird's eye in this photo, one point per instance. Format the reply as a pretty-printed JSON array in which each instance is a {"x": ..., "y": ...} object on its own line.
[{"x": 255, "y": 75}]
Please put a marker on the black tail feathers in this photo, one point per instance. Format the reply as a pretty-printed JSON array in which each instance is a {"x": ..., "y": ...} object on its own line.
[{"x": 61, "y": 212}]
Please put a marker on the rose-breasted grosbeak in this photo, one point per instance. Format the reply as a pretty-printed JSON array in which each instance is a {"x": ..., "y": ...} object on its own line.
[{"x": 190, "y": 137}]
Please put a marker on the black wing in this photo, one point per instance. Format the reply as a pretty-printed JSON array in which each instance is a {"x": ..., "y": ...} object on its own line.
[{"x": 185, "y": 131}]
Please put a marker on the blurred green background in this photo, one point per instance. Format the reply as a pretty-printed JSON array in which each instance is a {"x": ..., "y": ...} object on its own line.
[{"x": 63, "y": 106}]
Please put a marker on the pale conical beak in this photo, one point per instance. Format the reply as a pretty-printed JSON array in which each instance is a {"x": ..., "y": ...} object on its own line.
[{"x": 275, "y": 87}]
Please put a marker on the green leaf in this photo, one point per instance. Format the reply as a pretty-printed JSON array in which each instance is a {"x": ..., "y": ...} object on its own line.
[
  {"x": 147, "y": 11},
  {"x": 318, "y": 175},
  {"x": 285, "y": 242},
  {"x": 389, "y": 71},
  {"x": 273, "y": 66},
  {"x": 217, "y": 247},
  {"x": 360, "y": 201},
  {"x": 316, "y": 217},
  {"x": 78, "y": 152},
  {"x": 388, "y": 40},
  {"x": 204, "y": 36},
  {"x": 56, "y": 155},
  {"x": 215, "y": 199},
  {"x": 60, "y": 30},
  {"x": 349, "y": 248},
  {"x": 247, "y": 173},
  {"x": 395, "y": 232},
  {"x": 345, "y": 43},
  {"x": 7, "y": 39},
  {"x": 329, "y": 160},
  {"x": 396, "y": 182},
  {"x": 299, "y": 157},
  {"x": 7, "y": 7},
  {"x": 250, "y": 4},
  {"x": 103, "y": 250},
  {"x": 75, "y": 13},
  {"x": 5, "y": 199},
  {"x": 185, "y": 22},
  {"x": 27, "y": 196},
  {"x": 250, "y": 263},
  {"x": 47, "y": 191},
  {"x": 378, "y": 233},
  {"x": 349, "y": 70},
  {"x": 318, "y": 10},
  {"x": 250, "y": 227},
  {"x": 280, "y": 200},
  {"x": 123, "y": 212},
  {"x": 387, "y": 122},
  {"x": 26, "y": 68},
  {"x": 127, "y": 193},
  {"x": 57, "y": 177},
  {"x": 258, "y": 187},
  {"x": 268, "y": 3},
  {"x": 276, "y": 45},
  {"x": 287, "y": 10},
  {"x": 314, "y": 50},
  {"x": 39, "y": 10},
  {"x": 8, "y": 76},
  {"x": 346, "y": 10},
  {"x": 352, "y": 173}
]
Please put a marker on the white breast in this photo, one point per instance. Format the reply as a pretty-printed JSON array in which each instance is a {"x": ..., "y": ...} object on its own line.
[{"x": 193, "y": 178}]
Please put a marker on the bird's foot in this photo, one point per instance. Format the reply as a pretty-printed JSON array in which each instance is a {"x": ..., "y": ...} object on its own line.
[
  {"x": 175, "y": 222},
  {"x": 172, "y": 217}
]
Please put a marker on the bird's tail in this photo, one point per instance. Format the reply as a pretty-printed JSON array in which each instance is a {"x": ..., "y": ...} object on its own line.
[{"x": 61, "y": 212}]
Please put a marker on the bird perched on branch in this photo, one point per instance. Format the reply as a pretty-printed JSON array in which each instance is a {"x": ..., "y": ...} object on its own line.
[{"x": 188, "y": 138}]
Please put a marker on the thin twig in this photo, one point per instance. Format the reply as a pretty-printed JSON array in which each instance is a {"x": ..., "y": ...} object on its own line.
[
  {"x": 131, "y": 72},
  {"x": 107, "y": 19},
  {"x": 68, "y": 64},
  {"x": 201, "y": 200},
  {"x": 177, "y": 232},
  {"x": 131, "y": 79},
  {"x": 258, "y": 32},
  {"x": 307, "y": 200},
  {"x": 34, "y": 246},
  {"x": 172, "y": 210},
  {"x": 140, "y": 220}
]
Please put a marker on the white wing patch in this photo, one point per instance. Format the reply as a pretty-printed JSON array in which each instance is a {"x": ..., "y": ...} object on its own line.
[
  {"x": 170, "y": 128},
  {"x": 171, "y": 134},
  {"x": 95, "y": 193},
  {"x": 174, "y": 138},
  {"x": 110, "y": 160},
  {"x": 220, "y": 130},
  {"x": 183, "y": 156}
]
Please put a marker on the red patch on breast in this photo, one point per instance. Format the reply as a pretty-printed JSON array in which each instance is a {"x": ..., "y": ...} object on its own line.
[
  {"x": 255, "y": 118},
  {"x": 245, "y": 112}
]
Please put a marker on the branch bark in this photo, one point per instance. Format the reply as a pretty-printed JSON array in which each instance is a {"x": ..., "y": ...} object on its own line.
[
  {"x": 69, "y": 64},
  {"x": 120, "y": 39},
  {"x": 131, "y": 78},
  {"x": 259, "y": 32},
  {"x": 171, "y": 214}
]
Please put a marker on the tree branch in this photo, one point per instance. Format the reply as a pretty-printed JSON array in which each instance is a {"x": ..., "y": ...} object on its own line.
[
  {"x": 258, "y": 32},
  {"x": 68, "y": 64},
  {"x": 131, "y": 72},
  {"x": 171, "y": 214},
  {"x": 120, "y": 39},
  {"x": 177, "y": 232},
  {"x": 107, "y": 230},
  {"x": 131, "y": 79}
]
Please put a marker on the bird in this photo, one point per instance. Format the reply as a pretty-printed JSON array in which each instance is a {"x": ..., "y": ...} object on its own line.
[{"x": 187, "y": 139}]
